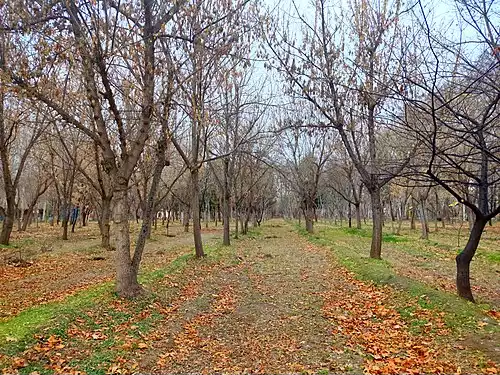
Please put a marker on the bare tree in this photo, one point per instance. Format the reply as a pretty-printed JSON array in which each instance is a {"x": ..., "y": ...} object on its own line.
[
  {"x": 453, "y": 92},
  {"x": 306, "y": 153},
  {"x": 96, "y": 37},
  {"x": 345, "y": 72}
]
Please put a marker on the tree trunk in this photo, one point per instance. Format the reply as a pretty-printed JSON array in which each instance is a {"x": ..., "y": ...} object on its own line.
[
  {"x": 104, "y": 223},
  {"x": 126, "y": 275},
  {"x": 236, "y": 229},
  {"x": 350, "y": 215},
  {"x": 226, "y": 241},
  {"x": 185, "y": 221},
  {"x": 423, "y": 221},
  {"x": 195, "y": 208},
  {"x": 245, "y": 224},
  {"x": 242, "y": 224},
  {"x": 437, "y": 216},
  {"x": 65, "y": 221},
  {"x": 149, "y": 209},
  {"x": 309, "y": 217},
  {"x": 376, "y": 246},
  {"x": 74, "y": 218},
  {"x": 465, "y": 257},
  {"x": 401, "y": 215},
  {"x": 58, "y": 211},
  {"x": 358, "y": 215},
  {"x": 8, "y": 225},
  {"x": 10, "y": 189},
  {"x": 85, "y": 214},
  {"x": 27, "y": 219}
]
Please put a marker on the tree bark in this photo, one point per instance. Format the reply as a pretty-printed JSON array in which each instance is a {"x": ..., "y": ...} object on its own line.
[
  {"x": 358, "y": 215},
  {"x": 149, "y": 210},
  {"x": 350, "y": 214},
  {"x": 104, "y": 223},
  {"x": 8, "y": 225},
  {"x": 423, "y": 220},
  {"x": 236, "y": 223},
  {"x": 309, "y": 218},
  {"x": 195, "y": 209},
  {"x": 126, "y": 275},
  {"x": 377, "y": 215},
  {"x": 65, "y": 221},
  {"x": 226, "y": 211},
  {"x": 185, "y": 220},
  {"x": 465, "y": 257},
  {"x": 27, "y": 219}
]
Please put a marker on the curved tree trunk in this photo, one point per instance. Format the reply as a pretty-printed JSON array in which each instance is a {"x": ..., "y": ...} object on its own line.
[{"x": 465, "y": 257}]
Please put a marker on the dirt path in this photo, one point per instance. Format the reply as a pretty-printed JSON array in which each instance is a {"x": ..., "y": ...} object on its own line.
[
  {"x": 261, "y": 315},
  {"x": 285, "y": 307},
  {"x": 272, "y": 303}
]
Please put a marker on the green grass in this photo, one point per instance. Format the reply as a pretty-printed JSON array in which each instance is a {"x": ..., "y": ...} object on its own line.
[
  {"x": 493, "y": 257},
  {"x": 364, "y": 232},
  {"x": 352, "y": 253},
  {"x": 18, "y": 333},
  {"x": 26, "y": 323},
  {"x": 18, "y": 244}
]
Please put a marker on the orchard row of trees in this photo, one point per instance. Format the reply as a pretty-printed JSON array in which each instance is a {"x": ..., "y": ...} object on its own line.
[{"x": 234, "y": 109}]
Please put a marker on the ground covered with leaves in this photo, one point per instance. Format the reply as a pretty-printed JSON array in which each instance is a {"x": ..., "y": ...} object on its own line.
[{"x": 276, "y": 301}]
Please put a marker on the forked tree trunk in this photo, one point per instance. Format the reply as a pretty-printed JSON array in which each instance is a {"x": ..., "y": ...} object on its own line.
[
  {"x": 149, "y": 209},
  {"x": 465, "y": 257},
  {"x": 377, "y": 216}
]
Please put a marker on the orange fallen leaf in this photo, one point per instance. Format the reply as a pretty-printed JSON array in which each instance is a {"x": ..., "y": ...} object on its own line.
[{"x": 19, "y": 363}]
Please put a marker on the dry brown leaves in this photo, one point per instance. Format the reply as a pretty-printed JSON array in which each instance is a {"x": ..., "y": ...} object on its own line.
[
  {"x": 47, "y": 350},
  {"x": 373, "y": 327},
  {"x": 189, "y": 339}
]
